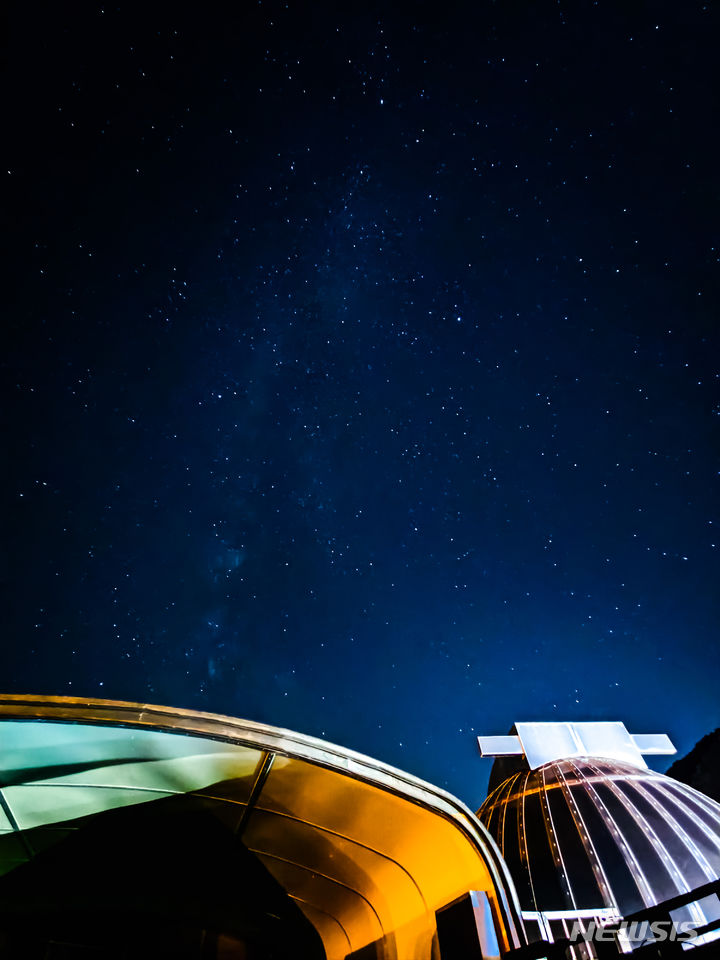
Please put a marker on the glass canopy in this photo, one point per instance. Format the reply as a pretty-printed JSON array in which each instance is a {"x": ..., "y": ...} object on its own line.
[{"x": 132, "y": 831}]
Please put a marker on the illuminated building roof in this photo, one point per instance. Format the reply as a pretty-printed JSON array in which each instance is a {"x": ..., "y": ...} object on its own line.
[
  {"x": 584, "y": 833},
  {"x": 136, "y": 831}
]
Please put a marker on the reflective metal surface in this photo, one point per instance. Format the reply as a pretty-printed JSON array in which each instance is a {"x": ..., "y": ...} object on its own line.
[
  {"x": 145, "y": 829},
  {"x": 587, "y": 836}
]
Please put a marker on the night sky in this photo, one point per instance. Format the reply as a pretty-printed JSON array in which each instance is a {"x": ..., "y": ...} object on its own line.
[{"x": 360, "y": 366}]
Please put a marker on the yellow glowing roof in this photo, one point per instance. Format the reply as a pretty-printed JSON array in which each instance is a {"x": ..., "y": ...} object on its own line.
[{"x": 368, "y": 852}]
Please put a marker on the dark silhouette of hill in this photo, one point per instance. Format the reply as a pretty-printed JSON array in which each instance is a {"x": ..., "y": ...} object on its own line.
[{"x": 701, "y": 767}]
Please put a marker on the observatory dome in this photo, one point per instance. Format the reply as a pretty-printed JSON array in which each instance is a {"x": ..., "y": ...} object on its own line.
[{"x": 582, "y": 834}]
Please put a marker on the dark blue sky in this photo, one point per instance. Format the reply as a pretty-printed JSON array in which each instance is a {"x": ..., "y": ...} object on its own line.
[{"x": 360, "y": 367}]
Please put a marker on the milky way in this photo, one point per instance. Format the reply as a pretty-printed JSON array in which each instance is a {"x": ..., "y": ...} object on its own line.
[{"x": 360, "y": 372}]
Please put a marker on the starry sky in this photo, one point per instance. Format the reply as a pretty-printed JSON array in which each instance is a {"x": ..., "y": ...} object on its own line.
[{"x": 360, "y": 366}]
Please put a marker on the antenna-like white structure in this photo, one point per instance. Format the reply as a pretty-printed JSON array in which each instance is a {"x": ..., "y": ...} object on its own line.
[{"x": 542, "y": 743}]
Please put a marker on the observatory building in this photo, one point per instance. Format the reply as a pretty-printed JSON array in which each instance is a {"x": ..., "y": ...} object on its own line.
[
  {"x": 131, "y": 831},
  {"x": 590, "y": 834}
]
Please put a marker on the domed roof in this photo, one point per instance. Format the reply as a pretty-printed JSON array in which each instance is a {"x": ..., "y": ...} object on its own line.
[
  {"x": 211, "y": 835},
  {"x": 583, "y": 833}
]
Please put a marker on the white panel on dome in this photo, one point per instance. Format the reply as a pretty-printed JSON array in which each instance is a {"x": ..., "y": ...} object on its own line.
[
  {"x": 545, "y": 742},
  {"x": 609, "y": 740},
  {"x": 653, "y": 743},
  {"x": 500, "y": 746}
]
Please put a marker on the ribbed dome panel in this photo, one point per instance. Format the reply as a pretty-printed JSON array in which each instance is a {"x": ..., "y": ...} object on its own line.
[{"x": 585, "y": 833}]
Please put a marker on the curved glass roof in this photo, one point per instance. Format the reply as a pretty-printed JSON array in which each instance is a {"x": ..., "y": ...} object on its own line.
[
  {"x": 110, "y": 811},
  {"x": 585, "y": 834}
]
